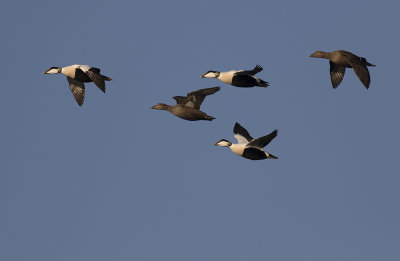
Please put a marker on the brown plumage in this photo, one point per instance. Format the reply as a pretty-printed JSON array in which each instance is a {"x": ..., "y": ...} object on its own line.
[
  {"x": 339, "y": 60},
  {"x": 188, "y": 108}
]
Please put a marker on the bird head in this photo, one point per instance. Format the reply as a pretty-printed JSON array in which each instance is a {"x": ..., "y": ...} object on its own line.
[
  {"x": 160, "y": 106},
  {"x": 53, "y": 70},
  {"x": 223, "y": 143},
  {"x": 210, "y": 74}
]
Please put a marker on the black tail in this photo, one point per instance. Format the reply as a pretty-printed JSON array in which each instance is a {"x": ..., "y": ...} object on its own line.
[
  {"x": 364, "y": 61},
  {"x": 106, "y": 78},
  {"x": 263, "y": 84},
  {"x": 272, "y": 157}
]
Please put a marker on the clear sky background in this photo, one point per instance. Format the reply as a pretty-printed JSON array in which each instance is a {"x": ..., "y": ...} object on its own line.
[{"x": 114, "y": 180}]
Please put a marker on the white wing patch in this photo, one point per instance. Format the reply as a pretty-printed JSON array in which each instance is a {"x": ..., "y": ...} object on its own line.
[
  {"x": 241, "y": 140},
  {"x": 85, "y": 68}
]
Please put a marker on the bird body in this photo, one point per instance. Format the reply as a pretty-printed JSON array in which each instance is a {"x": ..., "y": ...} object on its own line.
[
  {"x": 77, "y": 75},
  {"x": 340, "y": 60},
  {"x": 240, "y": 78},
  {"x": 247, "y": 147},
  {"x": 188, "y": 108}
]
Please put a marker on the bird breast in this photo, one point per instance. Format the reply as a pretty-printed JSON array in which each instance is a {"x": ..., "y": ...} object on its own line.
[
  {"x": 226, "y": 77},
  {"x": 237, "y": 149}
]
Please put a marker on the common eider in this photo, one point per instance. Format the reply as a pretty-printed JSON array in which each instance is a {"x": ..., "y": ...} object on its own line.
[
  {"x": 339, "y": 60},
  {"x": 77, "y": 75},
  {"x": 188, "y": 108},
  {"x": 247, "y": 147},
  {"x": 241, "y": 78}
]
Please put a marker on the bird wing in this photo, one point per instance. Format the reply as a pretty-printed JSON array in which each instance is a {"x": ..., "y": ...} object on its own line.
[
  {"x": 256, "y": 69},
  {"x": 180, "y": 99},
  {"x": 360, "y": 68},
  {"x": 263, "y": 141},
  {"x": 195, "y": 99},
  {"x": 241, "y": 134},
  {"x": 77, "y": 89},
  {"x": 337, "y": 73},
  {"x": 96, "y": 78}
]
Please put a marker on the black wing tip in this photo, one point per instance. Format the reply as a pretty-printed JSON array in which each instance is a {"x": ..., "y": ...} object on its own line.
[{"x": 237, "y": 125}]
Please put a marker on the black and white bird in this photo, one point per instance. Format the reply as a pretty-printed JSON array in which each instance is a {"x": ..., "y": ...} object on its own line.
[
  {"x": 77, "y": 75},
  {"x": 247, "y": 147},
  {"x": 241, "y": 78}
]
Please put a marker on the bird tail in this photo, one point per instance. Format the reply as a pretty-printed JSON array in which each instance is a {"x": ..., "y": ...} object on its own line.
[
  {"x": 106, "y": 78},
  {"x": 364, "y": 61},
  {"x": 263, "y": 83},
  {"x": 270, "y": 156}
]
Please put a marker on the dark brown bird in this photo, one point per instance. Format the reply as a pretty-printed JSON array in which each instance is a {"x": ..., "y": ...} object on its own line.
[
  {"x": 341, "y": 59},
  {"x": 188, "y": 108}
]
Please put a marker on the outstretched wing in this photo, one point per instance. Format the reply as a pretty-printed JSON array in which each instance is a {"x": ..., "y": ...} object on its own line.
[
  {"x": 256, "y": 69},
  {"x": 97, "y": 78},
  {"x": 77, "y": 89},
  {"x": 180, "y": 99},
  {"x": 360, "y": 68},
  {"x": 337, "y": 73},
  {"x": 263, "y": 141},
  {"x": 195, "y": 99},
  {"x": 241, "y": 134}
]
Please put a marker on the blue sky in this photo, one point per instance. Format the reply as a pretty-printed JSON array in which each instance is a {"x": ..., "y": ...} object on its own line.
[{"x": 114, "y": 180}]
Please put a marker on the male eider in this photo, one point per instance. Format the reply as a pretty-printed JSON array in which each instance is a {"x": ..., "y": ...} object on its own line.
[
  {"x": 339, "y": 60},
  {"x": 188, "y": 107},
  {"x": 247, "y": 147},
  {"x": 77, "y": 75},
  {"x": 238, "y": 78}
]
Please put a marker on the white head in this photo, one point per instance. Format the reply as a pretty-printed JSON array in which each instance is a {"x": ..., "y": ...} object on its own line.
[
  {"x": 53, "y": 70},
  {"x": 223, "y": 143},
  {"x": 210, "y": 74}
]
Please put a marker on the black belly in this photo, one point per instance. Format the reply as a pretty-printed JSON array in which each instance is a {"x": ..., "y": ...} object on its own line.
[
  {"x": 244, "y": 81},
  {"x": 254, "y": 154},
  {"x": 81, "y": 76}
]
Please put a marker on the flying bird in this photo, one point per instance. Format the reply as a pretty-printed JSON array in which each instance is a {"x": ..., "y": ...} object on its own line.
[
  {"x": 247, "y": 147},
  {"x": 339, "y": 60},
  {"x": 188, "y": 108},
  {"x": 241, "y": 78},
  {"x": 77, "y": 75}
]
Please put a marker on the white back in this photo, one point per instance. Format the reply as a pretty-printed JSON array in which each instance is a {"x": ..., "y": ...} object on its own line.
[
  {"x": 70, "y": 70},
  {"x": 85, "y": 68}
]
